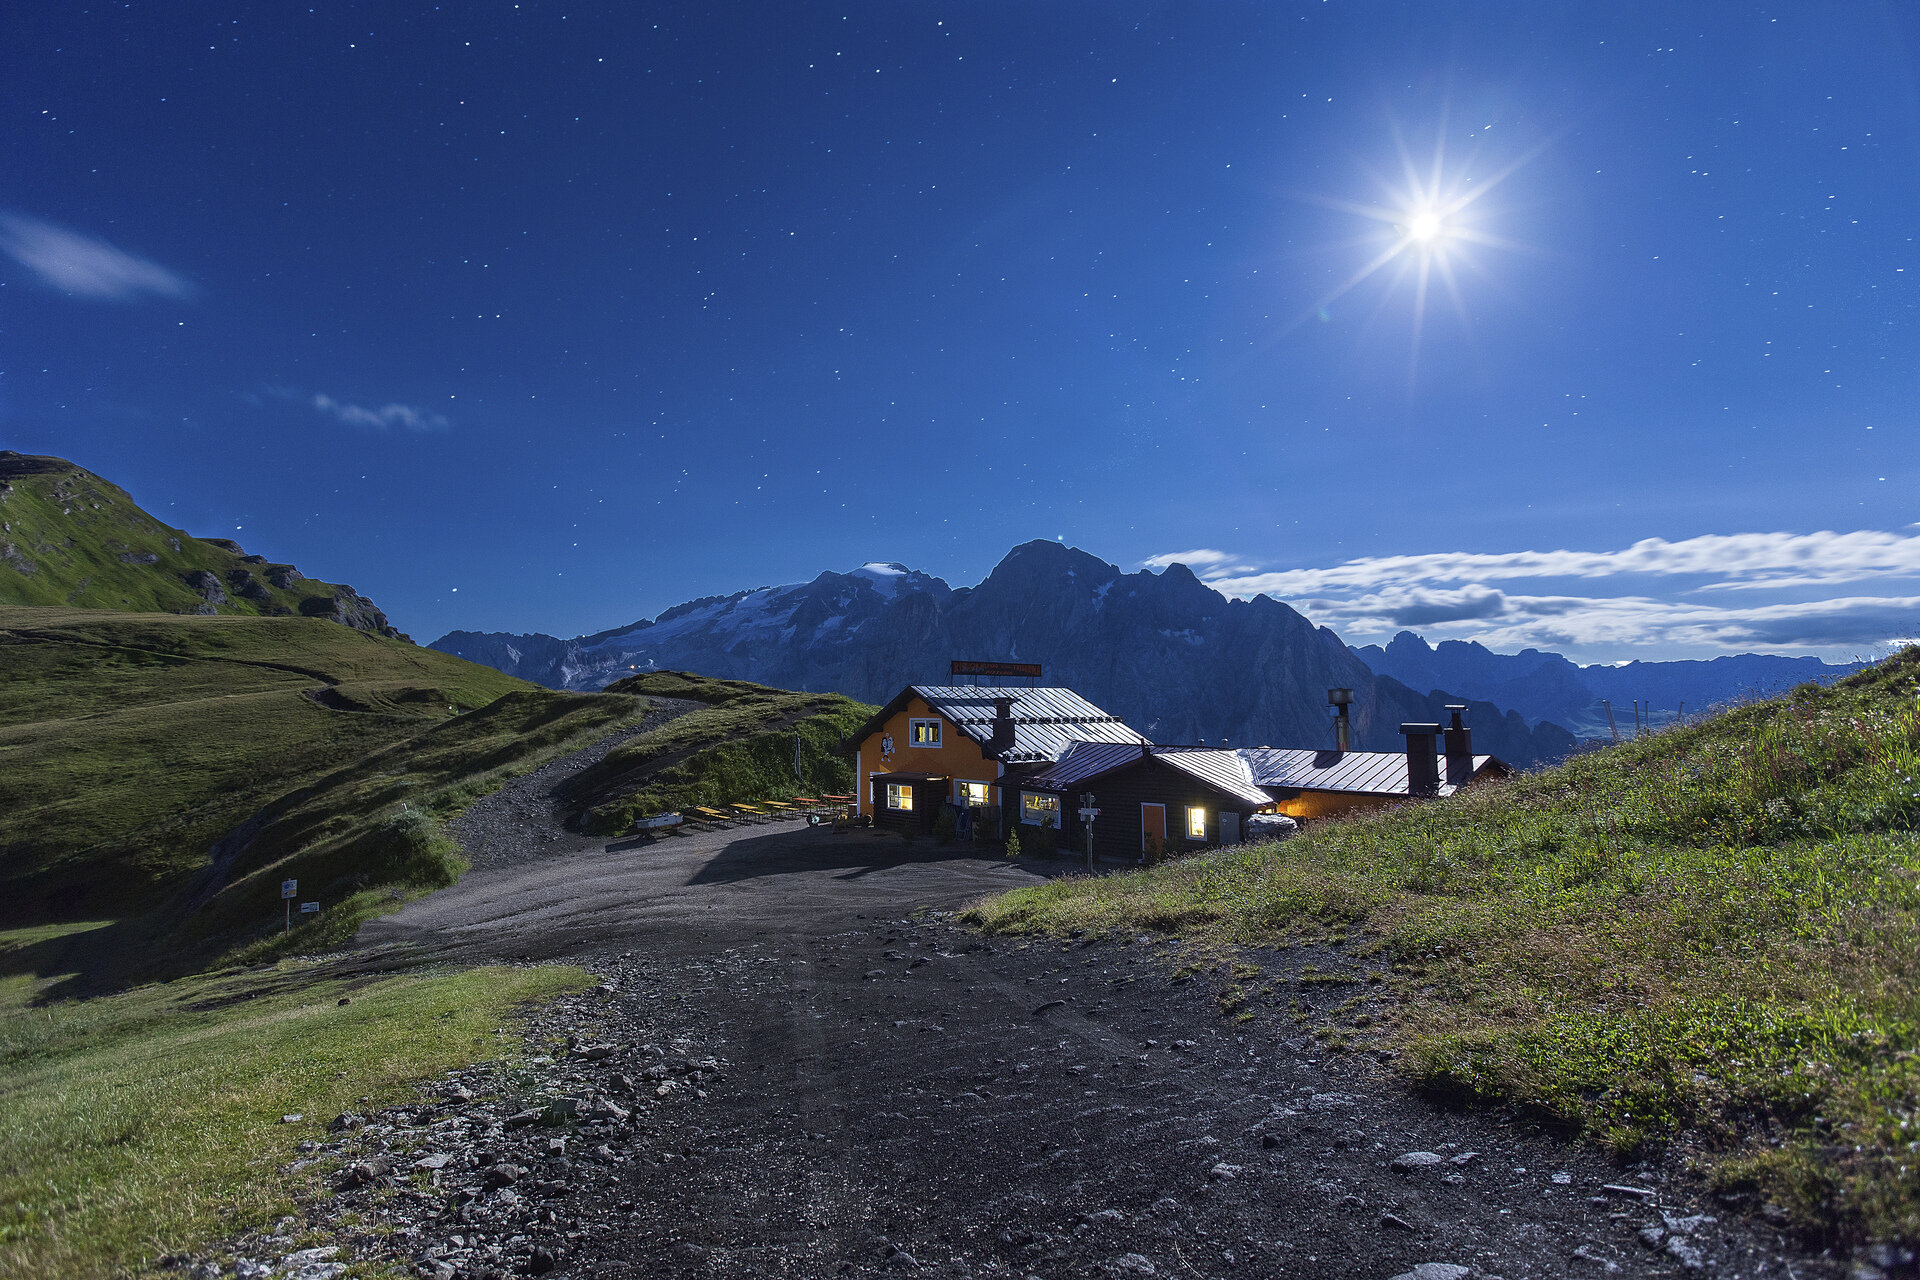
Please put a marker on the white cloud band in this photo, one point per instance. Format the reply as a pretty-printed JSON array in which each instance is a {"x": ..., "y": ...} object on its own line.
[
  {"x": 386, "y": 416},
  {"x": 85, "y": 266}
]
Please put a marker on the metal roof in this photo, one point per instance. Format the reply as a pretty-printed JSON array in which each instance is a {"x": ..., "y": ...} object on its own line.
[
  {"x": 1223, "y": 770},
  {"x": 1082, "y": 760},
  {"x": 1380, "y": 773},
  {"x": 1046, "y": 721}
]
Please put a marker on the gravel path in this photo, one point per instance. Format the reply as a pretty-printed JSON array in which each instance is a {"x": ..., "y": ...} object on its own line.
[
  {"x": 522, "y": 819},
  {"x": 801, "y": 1066}
]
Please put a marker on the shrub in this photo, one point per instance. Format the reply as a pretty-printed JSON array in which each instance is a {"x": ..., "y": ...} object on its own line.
[
  {"x": 944, "y": 824},
  {"x": 1013, "y": 843}
]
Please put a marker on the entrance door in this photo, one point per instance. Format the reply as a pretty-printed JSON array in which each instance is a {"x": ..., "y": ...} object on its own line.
[
  {"x": 1153, "y": 827},
  {"x": 1229, "y": 827}
]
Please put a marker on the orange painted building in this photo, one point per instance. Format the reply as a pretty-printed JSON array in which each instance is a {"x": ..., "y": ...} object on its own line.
[{"x": 939, "y": 743}]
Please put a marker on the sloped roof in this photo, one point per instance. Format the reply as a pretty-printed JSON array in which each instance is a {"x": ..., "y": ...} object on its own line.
[
  {"x": 1082, "y": 760},
  {"x": 1378, "y": 773},
  {"x": 1046, "y": 721},
  {"x": 1223, "y": 770}
]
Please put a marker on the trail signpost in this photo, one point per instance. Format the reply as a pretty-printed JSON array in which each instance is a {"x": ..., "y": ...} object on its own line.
[
  {"x": 1087, "y": 814},
  {"x": 289, "y": 890}
]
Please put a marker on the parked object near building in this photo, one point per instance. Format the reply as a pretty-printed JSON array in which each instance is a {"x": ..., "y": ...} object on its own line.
[{"x": 957, "y": 744}]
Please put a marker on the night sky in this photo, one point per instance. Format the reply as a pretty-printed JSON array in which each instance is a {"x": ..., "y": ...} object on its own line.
[{"x": 1586, "y": 326}]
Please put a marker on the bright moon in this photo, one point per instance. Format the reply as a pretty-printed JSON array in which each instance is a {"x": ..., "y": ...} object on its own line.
[{"x": 1424, "y": 227}]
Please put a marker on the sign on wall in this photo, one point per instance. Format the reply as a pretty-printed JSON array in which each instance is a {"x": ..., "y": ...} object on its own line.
[{"x": 961, "y": 667}]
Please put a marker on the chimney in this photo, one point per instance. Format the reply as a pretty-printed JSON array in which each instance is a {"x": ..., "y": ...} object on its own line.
[
  {"x": 1459, "y": 740},
  {"x": 1340, "y": 700},
  {"x": 1423, "y": 764},
  {"x": 1002, "y": 739}
]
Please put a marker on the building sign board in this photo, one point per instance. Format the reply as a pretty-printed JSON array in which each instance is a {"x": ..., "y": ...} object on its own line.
[
  {"x": 289, "y": 888},
  {"x": 962, "y": 667}
]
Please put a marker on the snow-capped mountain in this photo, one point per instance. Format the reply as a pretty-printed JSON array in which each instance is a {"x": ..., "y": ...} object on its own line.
[{"x": 1164, "y": 651}]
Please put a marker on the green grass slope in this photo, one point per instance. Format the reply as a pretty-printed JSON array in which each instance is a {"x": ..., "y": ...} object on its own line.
[
  {"x": 131, "y": 743},
  {"x": 67, "y": 537},
  {"x": 737, "y": 747},
  {"x": 1710, "y": 935}
]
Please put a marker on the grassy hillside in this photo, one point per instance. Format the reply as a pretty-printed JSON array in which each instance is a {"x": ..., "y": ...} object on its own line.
[
  {"x": 67, "y": 537},
  {"x": 148, "y": 1122},
  {"x": 130, "y": 743},
  {"x": 1710, "y": 935},
  {"x": 738, "y": 747}
]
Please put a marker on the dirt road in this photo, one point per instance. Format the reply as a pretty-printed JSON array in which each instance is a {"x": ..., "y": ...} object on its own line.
[{"x": 885, "y": 1092}]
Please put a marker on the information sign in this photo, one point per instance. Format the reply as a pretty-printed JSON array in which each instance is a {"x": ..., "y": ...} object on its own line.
[{"x": 289, "y": 888}]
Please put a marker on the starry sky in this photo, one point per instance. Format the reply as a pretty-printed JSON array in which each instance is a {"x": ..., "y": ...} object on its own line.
[{"x": 1584, "y": 326}]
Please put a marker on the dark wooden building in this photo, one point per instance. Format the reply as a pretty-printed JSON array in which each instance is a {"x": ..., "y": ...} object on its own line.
[{"x": 1152, "y": 800}]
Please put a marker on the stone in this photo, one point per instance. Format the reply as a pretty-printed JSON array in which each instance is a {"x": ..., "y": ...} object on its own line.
[
  {"x": 539, "y": 1262},
  {"x": 687, "y": 1251},
  {"x": 1225, "y": 1172},
  {"x": 1413, "y": 1161},
  {"x": 346, "y": 1121},
  {"x": 1436, "y": 1271},
  {"x": 502, "y": 1175},
  {"x": 1652, "y": 1237},
  {"x": 1397, "y": 1222},
  {"x": 438, "y": 1160},
  {"x": 1685, "y": 1252},
  {"x": 1464, "y": 1159},
  {"x": 292, "y": 1117},
  {"x": 1130, "y": 1264},
  {"x": 901, "y": 1260}
]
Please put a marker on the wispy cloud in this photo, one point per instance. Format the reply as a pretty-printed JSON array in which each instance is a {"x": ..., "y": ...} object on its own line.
[
  {"x": 85, "y": 266},
  {"x": 1732, "y": 560},
  {"x": 1202, "y": 560},
  {"x": 1624, "y": 623},
  {"x": 404, "y": 416},
  {"x": 1665, "y": 595}
]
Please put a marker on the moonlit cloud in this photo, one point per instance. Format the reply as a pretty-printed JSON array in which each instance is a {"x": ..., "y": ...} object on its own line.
[
  {"x": 386, "y": 416},
  {"x": 1202, "y": 561},
  {"x": 84, "y": 266},
  {"x": 1733, "y": 560},
  {"x": 1469, "y": 595}
]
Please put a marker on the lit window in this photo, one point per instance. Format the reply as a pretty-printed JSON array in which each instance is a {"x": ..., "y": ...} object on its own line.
[
  {"x": 1037, "y": 808},
  {"x": 1196, "y": 823},
  {"x": 899, "y": 796},
  {"x": 971, "y": 793},
  {"x": 923, "y": 733}
]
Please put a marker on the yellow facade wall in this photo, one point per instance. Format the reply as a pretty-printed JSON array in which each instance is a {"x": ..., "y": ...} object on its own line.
[{"x": 957, "y": 756}]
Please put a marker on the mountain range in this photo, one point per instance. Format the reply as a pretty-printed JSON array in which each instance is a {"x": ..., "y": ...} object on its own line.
[
  {"x": 1167, "y": 653},
  {"x": 1546, "y": 686}
]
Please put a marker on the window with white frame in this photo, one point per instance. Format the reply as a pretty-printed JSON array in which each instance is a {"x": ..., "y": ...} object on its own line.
[
  {"x": 1037, "y": 808},
  {"x": 899, "y": 796},
  {"x": 1196, "y": 822},
  {"x": 923, "y": 733},
  {"x": 968, "y": 794}
]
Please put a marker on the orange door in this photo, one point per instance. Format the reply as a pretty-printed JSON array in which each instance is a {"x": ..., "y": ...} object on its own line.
[{"x": 1153, "y": 826}]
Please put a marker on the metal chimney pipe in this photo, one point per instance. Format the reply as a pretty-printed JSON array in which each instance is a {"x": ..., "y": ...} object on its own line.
[
  {"x": 1459, "y": 740},
  {"x": 1340, "y": 700},
  {"x": 1423, "y": 760}
]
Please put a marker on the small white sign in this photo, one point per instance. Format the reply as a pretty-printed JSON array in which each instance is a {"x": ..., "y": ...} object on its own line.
[
  {"x": 289, "y": 888},
  {"x": 308, "y": 908},
  {"x": 1088, "y": 815}
]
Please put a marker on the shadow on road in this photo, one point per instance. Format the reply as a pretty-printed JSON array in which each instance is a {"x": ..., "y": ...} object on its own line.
[{"x": 794, "y": 851}]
